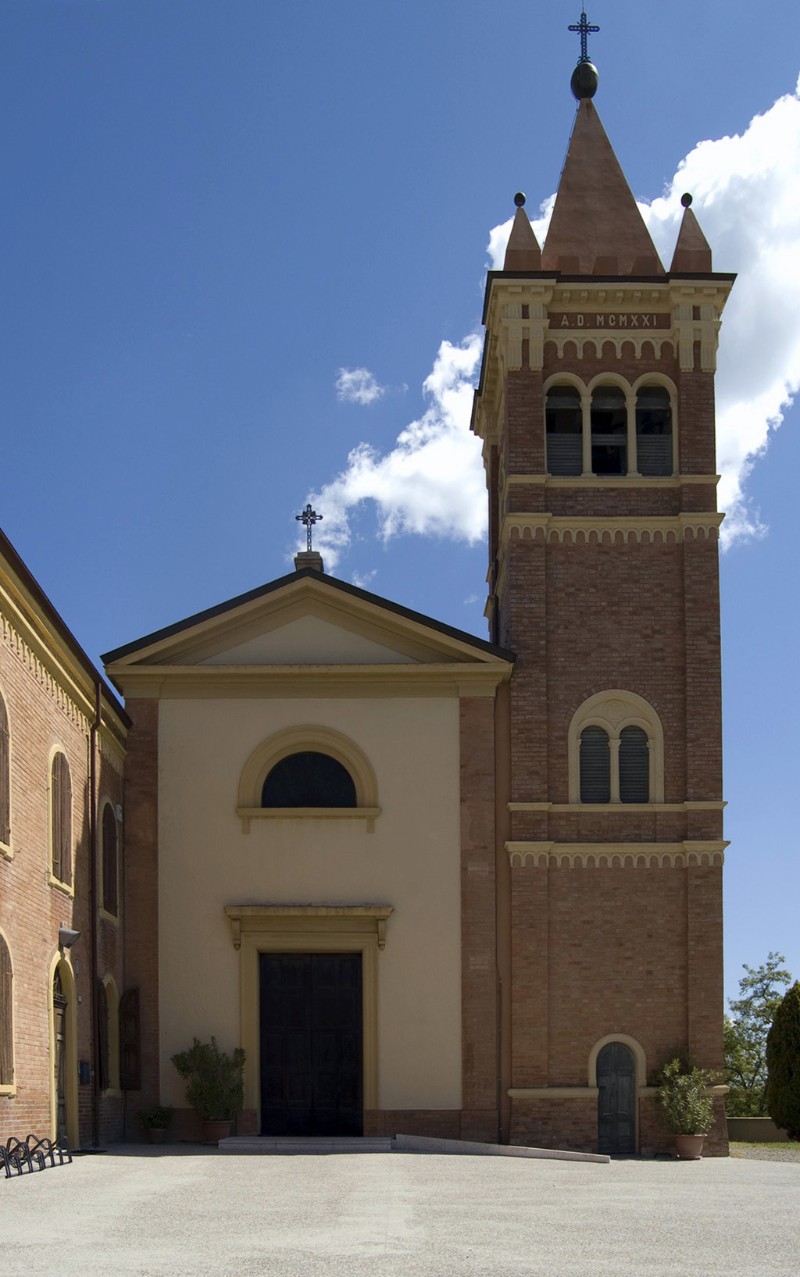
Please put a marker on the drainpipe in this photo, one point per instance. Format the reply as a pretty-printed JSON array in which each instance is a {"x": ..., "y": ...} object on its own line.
[{"x": 93, "y": 744}]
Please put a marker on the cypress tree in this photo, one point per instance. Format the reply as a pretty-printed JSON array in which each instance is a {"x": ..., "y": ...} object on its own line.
[{"x": 783, "y": 1064}]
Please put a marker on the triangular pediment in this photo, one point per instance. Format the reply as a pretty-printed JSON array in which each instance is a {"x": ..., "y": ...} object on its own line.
[{"x": 304, "y": 620}]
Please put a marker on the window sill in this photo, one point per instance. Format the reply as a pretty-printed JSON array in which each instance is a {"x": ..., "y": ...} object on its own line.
[
  {"x": 368, "y": 814},
  {"x": 113, "y": 918},
  {"x": 9, "y": 1089},
  {"x": 67, "y": 889},
  {"x": 6, "y": 851}
]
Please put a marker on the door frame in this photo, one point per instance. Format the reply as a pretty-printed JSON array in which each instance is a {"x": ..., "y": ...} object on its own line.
[
  {"x": 62, "y": 967},
  {"x": 640, "y": 1075},
  {"x": 306, "y": 929}
]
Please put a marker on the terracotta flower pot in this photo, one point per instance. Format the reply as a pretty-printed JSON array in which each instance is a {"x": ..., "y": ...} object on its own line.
[
  {"x": 689, "y": 1147},
  {"x": 155, "y": 1134},
  {"x": 214, "y": 1131}
]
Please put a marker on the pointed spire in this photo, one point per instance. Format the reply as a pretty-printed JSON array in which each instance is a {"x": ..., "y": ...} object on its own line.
[
  {"x": 692, "y": 252},
  {"x": 596, "y": 228},
  {"x": 523, "y": 251}
]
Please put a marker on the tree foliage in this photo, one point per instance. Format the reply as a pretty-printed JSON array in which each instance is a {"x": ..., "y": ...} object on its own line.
[
  {"x": 783, "y": 1063},
  {"x": 746, "y": 1029}
]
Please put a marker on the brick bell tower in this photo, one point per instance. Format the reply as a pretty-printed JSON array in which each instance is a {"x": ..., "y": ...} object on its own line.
[{"x": 596, "y": 411}]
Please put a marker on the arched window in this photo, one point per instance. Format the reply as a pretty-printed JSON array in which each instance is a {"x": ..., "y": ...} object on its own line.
[
  {"x": 653, "y": 431},
  {"x": 609, "y": 425},
  {"x": 61, "y": 819},
  {"x": 102, "y": 1037},
  {"x": 308, "y": 779},
  {"x": 5, "y": 777},
  {"x": 109, "y": 861},
  {"x": 634, "y": 766},
  {"x": 6, "y": 1017},
  {"x": 564, "y": 425},
  {"x": 595, "y": 766},
  {"x": 616, "y": 750}
]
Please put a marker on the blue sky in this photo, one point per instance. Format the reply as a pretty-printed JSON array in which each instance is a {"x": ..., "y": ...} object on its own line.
[{"x": 211, "y": 208}]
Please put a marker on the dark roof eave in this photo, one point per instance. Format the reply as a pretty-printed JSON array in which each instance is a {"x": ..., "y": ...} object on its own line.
[{"x": 262, "y": 591}]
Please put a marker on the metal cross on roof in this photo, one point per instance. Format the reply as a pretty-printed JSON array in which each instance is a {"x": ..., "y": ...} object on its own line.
[
  {"x": 584, "y": 28},
  {"x": 308, "y": 518}
]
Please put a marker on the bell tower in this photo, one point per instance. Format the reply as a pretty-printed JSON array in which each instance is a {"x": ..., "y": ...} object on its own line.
[{"x": 596, "y": 412}]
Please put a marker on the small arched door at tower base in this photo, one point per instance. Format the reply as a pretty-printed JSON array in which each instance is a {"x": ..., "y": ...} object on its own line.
[
  {"x": 616, "y": 1102},
  {"x": 60, "y": 1005}
]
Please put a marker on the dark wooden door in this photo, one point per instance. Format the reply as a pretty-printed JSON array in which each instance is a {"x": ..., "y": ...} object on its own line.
[
  {"x": 616, "y": 1104},
  {"x": 311, "y": 1044},
  {"x": 60, "y": 1061}
]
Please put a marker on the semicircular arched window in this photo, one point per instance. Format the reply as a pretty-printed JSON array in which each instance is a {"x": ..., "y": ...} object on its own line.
[{"x": 309, "y": 779}]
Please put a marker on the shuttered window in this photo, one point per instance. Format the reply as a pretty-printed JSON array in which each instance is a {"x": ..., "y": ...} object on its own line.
[
  {"x": 110, "y": 860},
  {"x": 653, "y": 431},
  {"x": 6, "y": 1018},
  {"x": 130, "y": 1064},
  {"x": 61, "y": 816},
  {"x": 309, "y": 779},
  {"x": 564, "y": 426},
  {"x": 5, "y": 777},
  {"x": 634, "y": 766},
  {"x": 595, "y": 765},
  {"x": 609, "y": 431}
]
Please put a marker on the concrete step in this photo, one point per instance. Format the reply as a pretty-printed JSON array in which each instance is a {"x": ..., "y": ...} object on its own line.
[{"x": 285, "y": 1144}]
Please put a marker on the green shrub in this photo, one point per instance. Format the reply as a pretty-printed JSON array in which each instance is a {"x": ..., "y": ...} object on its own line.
[
  {"x": 783, "y": 1064},
  {"x": 157, "y": 1118},
  {"x": 688, "y": 1110},
  {"x": 214, "y": 1079}
]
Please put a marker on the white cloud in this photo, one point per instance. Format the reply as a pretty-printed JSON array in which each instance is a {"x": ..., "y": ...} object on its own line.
[
  {"x": 358, "y": 385},
  {"x": 746, "y": 193},
  {"x": 431, "y": 483}
]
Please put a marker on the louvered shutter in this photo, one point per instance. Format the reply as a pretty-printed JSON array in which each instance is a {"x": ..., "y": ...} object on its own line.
[
  {"x": 5, "y": 777},
  {"x": 634, "y": 766},
  {"x": 595, "y": 763},
  {"x": 6, "y": 1017}
]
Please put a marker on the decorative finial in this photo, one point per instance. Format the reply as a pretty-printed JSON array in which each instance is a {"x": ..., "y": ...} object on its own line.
[
  {"x": 308, "y": 518},
  {"x": 519, "y": 199},
  {"x": 686, "y": 200},
  {"x": 585, "y": 79}
]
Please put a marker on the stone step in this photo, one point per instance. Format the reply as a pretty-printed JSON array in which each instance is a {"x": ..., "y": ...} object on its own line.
[{"x": 289, "y": 1144}]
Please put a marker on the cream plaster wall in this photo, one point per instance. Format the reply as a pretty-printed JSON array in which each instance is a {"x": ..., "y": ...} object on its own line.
[
  {"x": 411, "y": 862},
  {"x": 309, "y": 641}
]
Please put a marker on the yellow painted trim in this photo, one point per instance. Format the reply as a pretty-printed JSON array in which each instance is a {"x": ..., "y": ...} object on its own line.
[
  {"x": 616, "y": 808},
  {"x": 579, "y": 530},
  {"x": 71, "y": 1050},
  {"x": 618, "y": 855},
  {"x": 259, "y": 929},
  {"x": 307, "y": 737},
  {"x": 613, "y": 710},
  {"x": 113, "y": 918},
  {"x": 352, "y": 681},
  {"x": 112, "y": 1005},
  {"x": 609, "y": 481},
  {"x": 634, "y": 1045},
  {"x": 10, "y": 1088},
  {"x": 6, "y": 851}
]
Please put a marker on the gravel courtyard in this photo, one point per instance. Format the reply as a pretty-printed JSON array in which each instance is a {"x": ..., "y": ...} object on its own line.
[{"x": 182, "y": 1210}]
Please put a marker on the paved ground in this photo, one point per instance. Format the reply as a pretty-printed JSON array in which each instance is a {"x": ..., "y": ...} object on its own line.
[{"x": 183, "y": 1211}]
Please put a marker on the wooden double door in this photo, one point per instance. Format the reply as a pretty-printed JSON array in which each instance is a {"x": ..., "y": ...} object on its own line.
[{"x": 311, "y": 1040}]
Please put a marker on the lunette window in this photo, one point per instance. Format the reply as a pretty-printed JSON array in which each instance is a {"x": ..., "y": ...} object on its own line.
[{"x": 309, "y": 779}]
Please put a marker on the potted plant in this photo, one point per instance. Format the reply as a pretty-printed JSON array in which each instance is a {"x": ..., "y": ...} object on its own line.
[
  {"x": 688, "y": 1108},
  {"x": 155, "y": 1122},
  {"x": 214, "y": 1085}
]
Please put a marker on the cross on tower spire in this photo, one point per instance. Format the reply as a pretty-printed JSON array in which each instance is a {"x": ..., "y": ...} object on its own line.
[
  {"x": 584, "y": 28},
  {"x": 308, "y": 518}
]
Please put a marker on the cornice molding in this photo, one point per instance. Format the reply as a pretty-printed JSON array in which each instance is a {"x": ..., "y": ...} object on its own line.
[
  {"x": 634, "y": 855},
  {"x": 591, "y": 809},
  {"x": 585, "y": 530}
]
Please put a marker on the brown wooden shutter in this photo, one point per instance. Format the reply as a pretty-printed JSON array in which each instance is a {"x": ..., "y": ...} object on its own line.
[
  {"x": 5, "y": 776},
  {"x": 102, "y": 1037},
  {"x": 109, "y": 860},
  {"x": 61, "y": 802},
  {"x": 6, "y": 1017},
  {"x": 130, "y": 1066}
]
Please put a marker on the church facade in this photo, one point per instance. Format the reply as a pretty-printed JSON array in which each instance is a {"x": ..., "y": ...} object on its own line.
[{"x": 432, "y": 883}]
